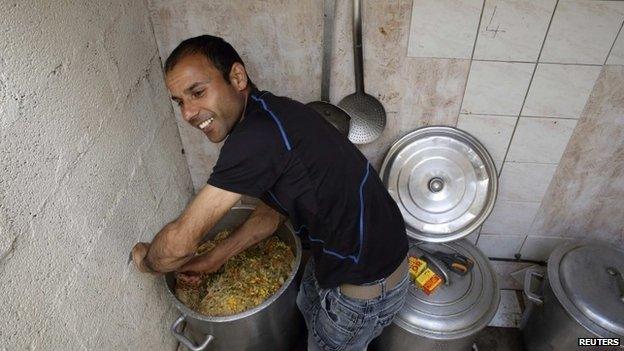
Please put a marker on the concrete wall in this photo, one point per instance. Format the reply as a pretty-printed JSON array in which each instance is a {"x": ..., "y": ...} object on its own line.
[
  {"x": 515, "y": 73},
  {"x": 91, "y": 163}
]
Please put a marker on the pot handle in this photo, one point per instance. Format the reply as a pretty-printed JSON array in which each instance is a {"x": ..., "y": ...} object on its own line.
[
  {"x": 528, "y": 279},
  {"x": 184, "y": 340},
  {"x": 614, "y": 272}
]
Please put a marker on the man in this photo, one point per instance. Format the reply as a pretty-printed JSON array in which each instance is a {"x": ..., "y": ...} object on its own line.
[{"x": 284, "y": 153}]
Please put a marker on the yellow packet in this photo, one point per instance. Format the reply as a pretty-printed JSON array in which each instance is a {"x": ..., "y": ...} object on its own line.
[
  {"x": 416, "y": 266},
  {"x": 428, "y": 281}
]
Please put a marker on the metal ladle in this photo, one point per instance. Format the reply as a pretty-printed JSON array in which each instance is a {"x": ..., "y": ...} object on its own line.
[
  {"x": 368, "y": 117},
  {"x": 333, "y": 114}
]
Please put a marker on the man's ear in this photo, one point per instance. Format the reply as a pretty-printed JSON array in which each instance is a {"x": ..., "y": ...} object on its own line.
[{"x": 238, "y": 76}]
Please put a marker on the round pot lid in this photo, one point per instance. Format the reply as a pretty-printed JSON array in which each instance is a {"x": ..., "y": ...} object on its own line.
[
  {"x": 587, "y": 279},
  {"x": 443, "y": 180},
  {"x": 455, "y": 310}
]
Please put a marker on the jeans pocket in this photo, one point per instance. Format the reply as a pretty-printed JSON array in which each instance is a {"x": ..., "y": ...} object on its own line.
[
  {"x": 392, "y": 305},
  {"x": 336, "y": 325}
]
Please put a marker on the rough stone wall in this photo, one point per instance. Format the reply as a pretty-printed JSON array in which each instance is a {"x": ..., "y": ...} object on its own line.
[{"x": 91, "y": 163}]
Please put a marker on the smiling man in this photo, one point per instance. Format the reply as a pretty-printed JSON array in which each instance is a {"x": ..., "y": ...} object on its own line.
[{"x": 284, "y": 153}]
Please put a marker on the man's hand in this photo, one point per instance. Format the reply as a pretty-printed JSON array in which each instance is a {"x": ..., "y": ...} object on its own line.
[
  {"x": 139, "y": 252},
  {"x": 190, "y": 273},
  {"x": 209, "y": 262}
]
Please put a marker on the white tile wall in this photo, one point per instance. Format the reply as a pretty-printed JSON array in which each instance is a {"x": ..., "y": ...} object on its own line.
[
  {"x": 540, "y": 140},
  {"x": 560, "y": 90},
  {"x": 494, "y": 132},
  {"x": 525, "y": 182},
  {"x": 538, "y": 248},
  {"x": 500, "y": 246},
  {"x": 511, "y": 218},
  {"x": 582, "y": 31},
  {"x": 513, "y": 30},
  {"x": 496, "y": 88},
  {"x": 616, "y": 57},
  {"x": 444, "y": 28}
]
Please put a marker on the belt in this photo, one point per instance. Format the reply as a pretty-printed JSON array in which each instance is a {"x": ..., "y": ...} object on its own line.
[{"x": 367, "y": 292}]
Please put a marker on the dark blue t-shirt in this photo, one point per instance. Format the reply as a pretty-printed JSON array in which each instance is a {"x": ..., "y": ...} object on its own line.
[{"x": 286, "y": 154}]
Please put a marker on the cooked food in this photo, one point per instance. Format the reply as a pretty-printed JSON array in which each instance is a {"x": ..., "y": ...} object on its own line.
[{"x": 245, "y": 280}]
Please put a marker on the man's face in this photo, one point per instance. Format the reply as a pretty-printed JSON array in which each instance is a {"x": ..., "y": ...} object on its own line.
[{"x": 207, "y": 101}]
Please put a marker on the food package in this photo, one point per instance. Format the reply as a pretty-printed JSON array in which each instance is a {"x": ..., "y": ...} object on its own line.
[
  {"x": 416, "y": 266},
  {"x": 428, "y": 281}
]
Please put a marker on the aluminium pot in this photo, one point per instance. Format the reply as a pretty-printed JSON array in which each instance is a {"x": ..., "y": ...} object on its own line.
[
  {"x": 274, "y": 325},
  {"x": 581, "y": 296},
  {"x": 451, "y": 317}
]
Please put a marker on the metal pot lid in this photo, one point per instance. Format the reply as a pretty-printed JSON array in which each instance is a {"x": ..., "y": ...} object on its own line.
[
  {"x": 587, "y": 280},
  {"x": 443, "y": 180},
  {"x": 461, "y": 308}
]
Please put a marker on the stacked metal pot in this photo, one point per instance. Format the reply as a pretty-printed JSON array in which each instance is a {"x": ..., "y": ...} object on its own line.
[{"x": 445, "y": 184}]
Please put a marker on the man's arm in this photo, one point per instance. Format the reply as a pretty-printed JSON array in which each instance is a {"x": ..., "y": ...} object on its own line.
[
  {"x": 262, "y": 222},
  {"x": 176, "y": 243}
]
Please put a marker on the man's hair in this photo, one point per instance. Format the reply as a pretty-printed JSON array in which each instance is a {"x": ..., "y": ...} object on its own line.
[{"x": 218, "y": 51}]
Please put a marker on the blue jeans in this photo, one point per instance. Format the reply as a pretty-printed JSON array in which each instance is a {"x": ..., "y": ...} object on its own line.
[{"x": 337, "y": 322}]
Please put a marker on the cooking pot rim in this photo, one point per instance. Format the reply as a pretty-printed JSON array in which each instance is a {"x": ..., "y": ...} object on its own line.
[{"x": 219, "y": 319}]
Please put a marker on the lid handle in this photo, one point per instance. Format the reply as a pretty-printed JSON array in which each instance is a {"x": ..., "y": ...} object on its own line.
[{"x": 614, "y": 272}]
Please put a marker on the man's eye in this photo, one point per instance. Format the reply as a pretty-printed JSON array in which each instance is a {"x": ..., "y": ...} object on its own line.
[
  {"x": 198, "y": 93},
  {"x": 179, "y": 103}
]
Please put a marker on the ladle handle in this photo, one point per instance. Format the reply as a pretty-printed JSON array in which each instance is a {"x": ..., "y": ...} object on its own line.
[
  {"x": 184, "y": 340},
  {"x": 439, "y": 266},
  {"x": 357, "y": 46},
  {"x": 328, "y": 30}
]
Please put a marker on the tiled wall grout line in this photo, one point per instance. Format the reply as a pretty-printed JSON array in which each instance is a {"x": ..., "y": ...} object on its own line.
[
  {"x": 550, "y": 117},
  {"x": 474, "y": 47},
  {"x": 526, "y": 236},
  {"x": 487, "y": 115},
  {"x": 528, "y": 88},
  {"x": 613, "y": 45},
  {"x": 546, "y": 63}
]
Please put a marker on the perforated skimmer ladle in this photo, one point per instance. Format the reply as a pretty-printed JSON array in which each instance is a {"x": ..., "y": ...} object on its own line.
[{"x": 368, "y": 117}]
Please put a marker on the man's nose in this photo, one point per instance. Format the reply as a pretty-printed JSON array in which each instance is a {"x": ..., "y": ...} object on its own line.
[{"x": 189, "y": 111}]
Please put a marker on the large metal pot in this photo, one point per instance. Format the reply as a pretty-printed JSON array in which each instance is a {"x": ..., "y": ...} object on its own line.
[
  {"x": 451, "y": 316},
  {"x": 275, "y": 324},
  {"x": 582, "y": 296}
]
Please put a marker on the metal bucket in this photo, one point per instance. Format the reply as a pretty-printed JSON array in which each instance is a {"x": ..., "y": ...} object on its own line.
[{"x": 275, "y": 324}]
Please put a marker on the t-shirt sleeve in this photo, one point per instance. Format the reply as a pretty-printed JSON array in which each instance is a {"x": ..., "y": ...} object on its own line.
[{"x": 249, "y": 164}]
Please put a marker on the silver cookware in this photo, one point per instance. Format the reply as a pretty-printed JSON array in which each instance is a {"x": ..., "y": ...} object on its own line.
[
  {"x": 368, "y": 116},
  {"x": 581, "y": 296},
  {"x": 333, "y": 114},
  {"x": 274, "y": 325},
  {"x": 451, "y": 317},
  {"x": 443, "y": 180}
]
